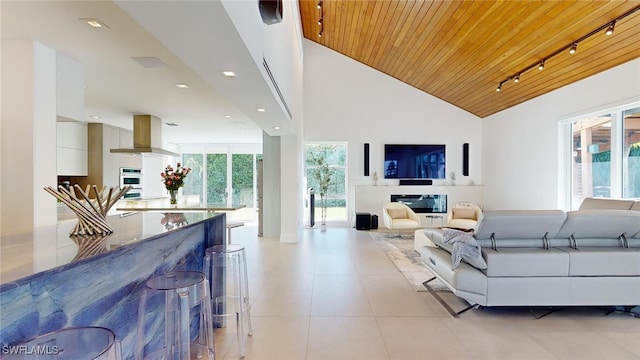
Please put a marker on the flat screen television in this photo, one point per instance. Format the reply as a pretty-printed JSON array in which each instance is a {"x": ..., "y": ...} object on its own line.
[{"x": 407, "y": 161}]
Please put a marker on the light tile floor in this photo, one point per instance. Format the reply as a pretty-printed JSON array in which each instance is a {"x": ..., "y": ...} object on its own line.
[{"x": 336, "y": 295}]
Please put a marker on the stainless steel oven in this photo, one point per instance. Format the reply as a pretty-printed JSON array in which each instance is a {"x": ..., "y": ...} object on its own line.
[{"x": 131, "y": 177}]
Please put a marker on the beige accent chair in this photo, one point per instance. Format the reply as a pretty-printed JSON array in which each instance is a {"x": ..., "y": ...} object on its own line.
[
  {"x": 398, "y": 216},
  {"x": 464, "y": 216}
]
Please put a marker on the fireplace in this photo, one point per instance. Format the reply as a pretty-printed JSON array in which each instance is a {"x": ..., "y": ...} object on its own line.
[{"x": 423, "y": 203}]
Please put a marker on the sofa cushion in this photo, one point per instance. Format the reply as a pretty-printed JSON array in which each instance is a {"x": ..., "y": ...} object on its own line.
[
  {"x": 464, "y": 224},
  {"x": 600, "y": 224},
  {"x": 604, "y": 261},
  {"x": 397, "y": 213},
  {"x": 605, "y": 204},
  {"x": 399, "y": 224},
  {"x": 636, "y": 206},
  {"x": 463, "y": 213},
  {"x": 514, "y": 262},
  {"x": 519, "y": 224}
]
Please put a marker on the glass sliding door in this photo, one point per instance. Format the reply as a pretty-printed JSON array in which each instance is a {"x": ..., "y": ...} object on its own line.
[
  {"x": 194, "y": 182},
  {"x": 631, "y": 154},
  {"x": 242, "y": 179},
  {"x": 217, "y": 179}
]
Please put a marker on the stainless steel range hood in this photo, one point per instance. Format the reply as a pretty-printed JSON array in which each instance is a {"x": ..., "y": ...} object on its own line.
[{"x": 147, "y": 137}]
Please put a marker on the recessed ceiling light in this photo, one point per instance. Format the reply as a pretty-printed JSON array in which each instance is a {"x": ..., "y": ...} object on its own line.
[
  {"x": 227, "y": 116},
  {"x": 276, "y": 128},
  {"x": 229, "y": 73},
  {"x": 261, "y": 110},
  {"x": 182, "y": 86},
  {"x": 95, "y": 23},
  {"x": 95, "y": 117}
]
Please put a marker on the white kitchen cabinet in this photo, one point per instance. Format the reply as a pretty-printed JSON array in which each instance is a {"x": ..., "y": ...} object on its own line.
[{"x": 72, "y": 149}]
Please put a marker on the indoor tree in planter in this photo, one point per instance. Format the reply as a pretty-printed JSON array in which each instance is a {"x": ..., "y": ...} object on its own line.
[{"x": 322, "y": 173}]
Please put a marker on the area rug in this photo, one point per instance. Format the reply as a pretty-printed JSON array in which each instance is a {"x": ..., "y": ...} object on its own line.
[{"x": 400, "y": 251}]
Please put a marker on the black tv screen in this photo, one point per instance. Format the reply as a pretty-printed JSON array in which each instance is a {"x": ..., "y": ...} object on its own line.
[{"x": 414, "y": 161}]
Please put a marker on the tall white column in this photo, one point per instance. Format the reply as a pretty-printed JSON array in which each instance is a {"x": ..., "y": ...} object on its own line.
[
  {"x": 28, "y": 150},
  {"x": 290, "y": 222}
]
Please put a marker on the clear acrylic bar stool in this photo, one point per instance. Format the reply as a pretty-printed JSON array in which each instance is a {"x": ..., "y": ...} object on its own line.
[
  {"x": 230, "y": 297},
  {"x": 74, "y": 343},
  {"x": 168, "y": 305}
]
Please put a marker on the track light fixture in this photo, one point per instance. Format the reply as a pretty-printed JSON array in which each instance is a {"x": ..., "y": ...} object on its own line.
[
  {"x": 572, "y": 48},
  {"x": 321, "y": 19},
  {"x": 611, "y": 28}
]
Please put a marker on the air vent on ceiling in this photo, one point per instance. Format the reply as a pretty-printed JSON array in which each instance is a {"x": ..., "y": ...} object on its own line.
[
  {"x": 149, "y": 62},
  {"x": 275, "y": 85}
]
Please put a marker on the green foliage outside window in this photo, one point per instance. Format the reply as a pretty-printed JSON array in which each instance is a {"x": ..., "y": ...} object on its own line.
[
  {"x": 216, "y": 178},
  {"x": 242, "y": 179}
]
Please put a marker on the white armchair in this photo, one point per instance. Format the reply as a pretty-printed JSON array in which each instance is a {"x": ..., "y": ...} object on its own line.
[
  {"x": 464, "y": 215},
  {"x": 398, "y": 216}
]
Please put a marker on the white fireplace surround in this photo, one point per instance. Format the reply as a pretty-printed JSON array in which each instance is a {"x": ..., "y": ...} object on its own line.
[{"x": 370, "y": 198}]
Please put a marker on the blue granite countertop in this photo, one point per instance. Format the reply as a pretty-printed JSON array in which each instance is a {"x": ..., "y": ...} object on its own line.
[
  {"x": 52, "y": 281},
  {"x": 49, "y": 247}
]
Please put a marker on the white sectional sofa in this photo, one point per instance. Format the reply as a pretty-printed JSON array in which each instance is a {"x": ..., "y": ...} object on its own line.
[{"x": 587, "y": 257}]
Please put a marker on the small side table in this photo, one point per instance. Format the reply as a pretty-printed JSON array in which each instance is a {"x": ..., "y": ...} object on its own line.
[
  {"x": 433, "y": 220},
  {"x": 231, "y": 225}
]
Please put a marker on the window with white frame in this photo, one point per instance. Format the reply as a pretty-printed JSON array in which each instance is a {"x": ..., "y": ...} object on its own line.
[{"x": 605, "y": 155}]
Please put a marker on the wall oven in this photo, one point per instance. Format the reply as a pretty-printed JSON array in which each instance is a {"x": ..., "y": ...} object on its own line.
[{"x": 131, "y": 177}]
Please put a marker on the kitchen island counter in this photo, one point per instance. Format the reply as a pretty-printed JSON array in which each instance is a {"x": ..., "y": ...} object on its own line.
[
  {"x": 50, "y": 280},
  {"x": 162, "y": 204}
]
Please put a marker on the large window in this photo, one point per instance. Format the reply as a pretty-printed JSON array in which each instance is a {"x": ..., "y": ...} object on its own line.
[
  {"x": 605, "y": 155},
  {"x": 223, "y": 179},
  {"x": 333, "y": 156},
  {"x": 592, "y": 158},
  {"x": 631, "y": 154}
]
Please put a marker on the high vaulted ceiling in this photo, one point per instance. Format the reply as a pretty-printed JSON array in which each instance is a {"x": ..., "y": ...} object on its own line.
[{"x": 459, "y": 51}]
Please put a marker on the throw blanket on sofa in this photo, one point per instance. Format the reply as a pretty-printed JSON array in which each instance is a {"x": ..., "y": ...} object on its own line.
[{"x": 463, "y": 244}]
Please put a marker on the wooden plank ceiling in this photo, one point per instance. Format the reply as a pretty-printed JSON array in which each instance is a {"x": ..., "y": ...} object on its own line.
[{"x": 459, "y": 51}]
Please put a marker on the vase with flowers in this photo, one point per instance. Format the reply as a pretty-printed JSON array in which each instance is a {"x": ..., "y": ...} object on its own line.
[{"x": 173, "y": 179}]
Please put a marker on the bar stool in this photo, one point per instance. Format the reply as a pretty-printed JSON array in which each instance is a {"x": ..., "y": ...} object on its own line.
[
  {"x": 74, "y": 343},
  {"x": 227, "y": 265},
  {"x": 168, "y": 300}
]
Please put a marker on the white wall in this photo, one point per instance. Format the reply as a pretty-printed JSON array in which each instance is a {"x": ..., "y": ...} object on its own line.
[
  {"x": 520, "y": 144},
  {"x": 347, "y": 101}
]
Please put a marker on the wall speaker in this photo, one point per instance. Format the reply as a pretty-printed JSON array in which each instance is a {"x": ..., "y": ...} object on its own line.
[
  {"x": 270, "y": 11},
  {"x": 366, "y": 159},
  {"x": 465, "y": 159},
  {"x": 416, "y": 182}
]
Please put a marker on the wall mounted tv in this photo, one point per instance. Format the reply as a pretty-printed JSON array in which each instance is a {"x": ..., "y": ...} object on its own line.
[{"x": 405, "y": 161}]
